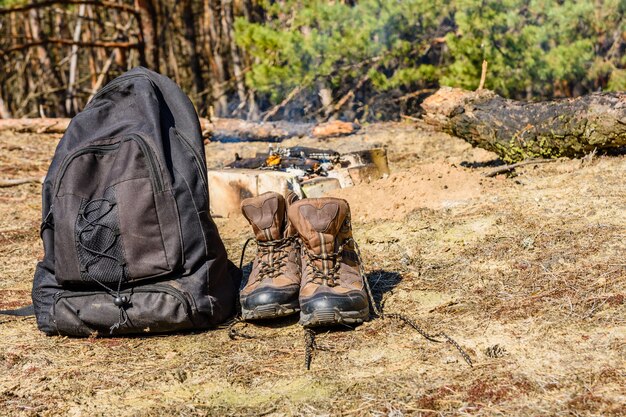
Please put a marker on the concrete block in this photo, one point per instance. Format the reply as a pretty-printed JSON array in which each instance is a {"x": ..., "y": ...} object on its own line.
[
  {"x": 317, "y": 187},
  {"x": 228, "y": 187},
  {"x": 376, "y": 156},
  {"x": 342, "y": 175},
  {"x": 278, "y": 181},
  {"x": 364, "y": 174}
]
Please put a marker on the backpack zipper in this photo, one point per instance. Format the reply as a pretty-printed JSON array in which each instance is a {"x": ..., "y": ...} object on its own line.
[
  {"x": 97, "y": 149},
  {"x": 153, "y": 165},
  {"x": 108, "y": 148},
  {"x": 154, "y": 288},
  {"x": 115, "y": 83},
  {"x": 197, "y": 158}
]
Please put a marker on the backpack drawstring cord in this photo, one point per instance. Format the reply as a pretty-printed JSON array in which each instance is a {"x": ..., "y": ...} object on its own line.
[{"x": 90, "y": 225}]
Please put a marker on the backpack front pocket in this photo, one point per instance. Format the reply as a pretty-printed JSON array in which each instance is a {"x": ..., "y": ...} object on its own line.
[
  {"x": 115, "y": 218},
  {"x": 151, "y": 308}
]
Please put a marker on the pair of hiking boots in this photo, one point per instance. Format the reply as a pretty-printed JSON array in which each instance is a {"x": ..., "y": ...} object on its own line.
[{"x": 306, "y": 261}]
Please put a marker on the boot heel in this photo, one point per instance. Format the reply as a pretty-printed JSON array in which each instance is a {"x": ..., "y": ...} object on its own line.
[
  {"x": 332, "y": 316},
  {"x": 269, "y": 311},
  {"x": 326, "y": 317}
]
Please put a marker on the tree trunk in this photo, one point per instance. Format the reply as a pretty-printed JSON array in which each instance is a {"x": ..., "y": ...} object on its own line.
[
  {"x": 190, "y": 37},
  {"x": 212, "y": 17},
  {"x": 148, "y": 27},
  {"x": 71, "y": 104},
  {"x": 228, "y": 31},
  {"x": 520, "y": 130},
  {"x": 4, "y": 112}
]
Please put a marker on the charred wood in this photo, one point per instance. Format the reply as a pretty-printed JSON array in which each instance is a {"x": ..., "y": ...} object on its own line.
[{"x": 219, "y": 129}]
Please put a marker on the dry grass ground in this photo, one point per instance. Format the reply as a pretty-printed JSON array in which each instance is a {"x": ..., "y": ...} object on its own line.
[{"x": 533, "y": 264}]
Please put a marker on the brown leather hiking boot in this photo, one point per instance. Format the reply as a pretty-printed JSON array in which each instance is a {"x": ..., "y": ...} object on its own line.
[
  {"x": 332, "y": 289},
  {"x": 274, "y": 282}
]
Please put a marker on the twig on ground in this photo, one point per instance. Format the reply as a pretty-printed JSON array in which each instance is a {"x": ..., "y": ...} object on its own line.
[
  {"x": 414, "y": 119},
  {"x": 18, "y": 181},
  {"x": 483, "y": 75},
  {"x": 418, "y": 122},
  {"x": 588, "y": 159},
  {"x": 511, "y": 167}
]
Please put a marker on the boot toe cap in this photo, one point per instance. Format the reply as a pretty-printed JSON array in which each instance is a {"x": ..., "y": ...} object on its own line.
[
  {"x": 268, "y": 295},
  {"x": 350, "y": 301}
]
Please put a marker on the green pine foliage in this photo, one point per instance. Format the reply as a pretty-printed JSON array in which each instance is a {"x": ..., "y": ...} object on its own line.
[
  {"x": 304, "y": 42},
  {"x": 10, "y": 3},
  {"x": 535, "y": 48}
]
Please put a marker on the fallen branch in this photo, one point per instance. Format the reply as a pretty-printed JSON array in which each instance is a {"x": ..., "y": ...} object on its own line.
[
  {"x": 272, "y": 112},
  {"x": 230, "y": 130},
  {"x": 47, "y": 125},
  {"x": 59, "y": 125},
  {"x": 411, "y": 118},
  {"x": 70, "y": 42},
  {"x": 342, "y": 102},
  {"x": 417, "y": 122},
  {"x": 518, "y": 131},
  {"x": 508, "y": 168},
  {"x": 4, "y": 183},
  {"x": 36, "y": 5},
  {"x": 216, "y": 129},
  {"x": 219, "y": 129}
]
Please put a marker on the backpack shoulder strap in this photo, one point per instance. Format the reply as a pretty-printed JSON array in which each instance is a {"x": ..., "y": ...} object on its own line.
[{"x": 22, "y": 311}]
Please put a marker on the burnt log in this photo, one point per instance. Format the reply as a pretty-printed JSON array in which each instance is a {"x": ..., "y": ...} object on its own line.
[
  {"x": 518, "y": 131},
  {"x": 42, "y": 125},
  {"x": 218, "y": 129},
  {"x": 237, "y": 130}
]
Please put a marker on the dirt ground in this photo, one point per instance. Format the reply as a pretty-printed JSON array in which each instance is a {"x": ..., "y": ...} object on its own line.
[{"x": 526, "y": 272}]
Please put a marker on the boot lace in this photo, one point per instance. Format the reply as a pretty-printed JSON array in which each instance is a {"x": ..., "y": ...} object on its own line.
[
  {"x": 326, "y": 276},
  {"x": 277, "y": 251},
  {"x": 309, "y": 333}
]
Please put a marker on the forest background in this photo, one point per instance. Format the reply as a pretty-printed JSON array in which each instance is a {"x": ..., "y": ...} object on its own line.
[{"x": 309, "y": 60}]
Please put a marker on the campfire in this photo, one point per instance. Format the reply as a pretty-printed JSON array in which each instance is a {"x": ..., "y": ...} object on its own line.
[{"x": 309, "y": 172}]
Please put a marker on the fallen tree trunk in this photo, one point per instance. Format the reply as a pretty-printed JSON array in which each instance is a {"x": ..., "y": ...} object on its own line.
[
  {"x": 45, "y": 125},
  {"x": 518, "y": 130},
  {"x": 19, "y": 181},
  {"x": 57, "y": 125},
  {"x": 237, "y": 130},
  {"x": 219, "y": 129}
]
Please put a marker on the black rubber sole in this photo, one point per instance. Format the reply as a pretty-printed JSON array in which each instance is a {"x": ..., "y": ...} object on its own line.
[
  {"x": 270, "y": 311},
  {"x": 333, "y": 316}
]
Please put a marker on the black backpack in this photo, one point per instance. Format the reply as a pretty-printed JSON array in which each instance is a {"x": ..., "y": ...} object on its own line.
[{"x": 130, "y": 246}]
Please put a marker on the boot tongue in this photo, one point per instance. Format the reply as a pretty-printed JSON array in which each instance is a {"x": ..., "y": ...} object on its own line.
[
  {"x": 266, "y": 214},
  {"x": 319, "y": 223}
]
